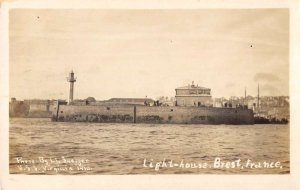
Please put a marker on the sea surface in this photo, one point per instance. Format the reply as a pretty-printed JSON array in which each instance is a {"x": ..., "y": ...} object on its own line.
[{"x": 39, "y": 146}]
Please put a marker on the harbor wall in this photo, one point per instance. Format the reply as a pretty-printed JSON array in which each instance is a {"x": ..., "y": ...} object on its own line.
[
  {"x": 197, "y": 115},
  {"x": 146, "y": 114},
  {"x": 73, "y": 113},
  {"x": 39, "y": 114}
]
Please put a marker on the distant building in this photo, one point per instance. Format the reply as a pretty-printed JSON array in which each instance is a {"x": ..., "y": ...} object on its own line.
[
  {"x": 32, "y": 107},
  {"x": 38, "y": 105},
  {"x": 218, "y": 102},
  {"x": 41, "y": 108},
  {"x": 18, "y": 108},
  {"x": 193, "y": 95},
  {"x": 166, "y": 101}
]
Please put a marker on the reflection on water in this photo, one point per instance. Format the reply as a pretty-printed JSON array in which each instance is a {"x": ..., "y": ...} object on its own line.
[{"x": 122, "y": 148}]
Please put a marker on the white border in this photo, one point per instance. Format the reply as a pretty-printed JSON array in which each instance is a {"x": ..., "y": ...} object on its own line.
[{"x": 290, "y": 182}]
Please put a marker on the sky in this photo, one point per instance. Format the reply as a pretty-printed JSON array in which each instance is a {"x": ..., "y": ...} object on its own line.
[{"x": 138, "y": 53}]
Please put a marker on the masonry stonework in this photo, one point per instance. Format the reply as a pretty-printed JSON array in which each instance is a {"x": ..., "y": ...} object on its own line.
[{"x": 145, "y": 114}]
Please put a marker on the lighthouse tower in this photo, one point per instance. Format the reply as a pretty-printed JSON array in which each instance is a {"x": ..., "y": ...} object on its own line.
[{"x": 71, "y": 79}]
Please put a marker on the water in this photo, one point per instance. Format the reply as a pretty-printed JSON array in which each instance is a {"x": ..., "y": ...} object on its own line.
[{"x": 122, "y": 148}]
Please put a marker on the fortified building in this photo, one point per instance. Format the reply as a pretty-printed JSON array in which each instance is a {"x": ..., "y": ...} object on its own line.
[{"x": 193, "y": 95}]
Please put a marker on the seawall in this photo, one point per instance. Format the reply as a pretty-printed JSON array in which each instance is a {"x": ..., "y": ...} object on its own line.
[
  {"x": 39, "y": 114},
  {"x": 146, "y": 114}
]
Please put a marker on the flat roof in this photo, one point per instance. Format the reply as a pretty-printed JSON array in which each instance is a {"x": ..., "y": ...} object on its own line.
[{"x": 194, "y": 87}]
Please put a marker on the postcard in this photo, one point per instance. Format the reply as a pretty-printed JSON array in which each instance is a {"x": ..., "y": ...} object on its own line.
[{"x": 148, "y": 95}]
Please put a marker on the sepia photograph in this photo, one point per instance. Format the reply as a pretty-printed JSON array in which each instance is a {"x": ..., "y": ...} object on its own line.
[{"x": 121, "y": 92}]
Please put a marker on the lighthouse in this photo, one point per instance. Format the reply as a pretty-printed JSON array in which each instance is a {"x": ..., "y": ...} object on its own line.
[{"x": 71, "y": 80}]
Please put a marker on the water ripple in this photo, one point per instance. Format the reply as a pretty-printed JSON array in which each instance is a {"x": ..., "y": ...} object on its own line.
[{"x": 121, "y": 148}]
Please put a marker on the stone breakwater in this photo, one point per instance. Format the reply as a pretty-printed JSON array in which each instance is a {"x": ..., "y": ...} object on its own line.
[{"x": 146, "y": 114}]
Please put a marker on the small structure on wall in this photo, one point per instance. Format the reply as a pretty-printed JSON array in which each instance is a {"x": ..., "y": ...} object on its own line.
[
  {"x": 132, "y": 101},
  {"x": 193, "y": 95}
]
